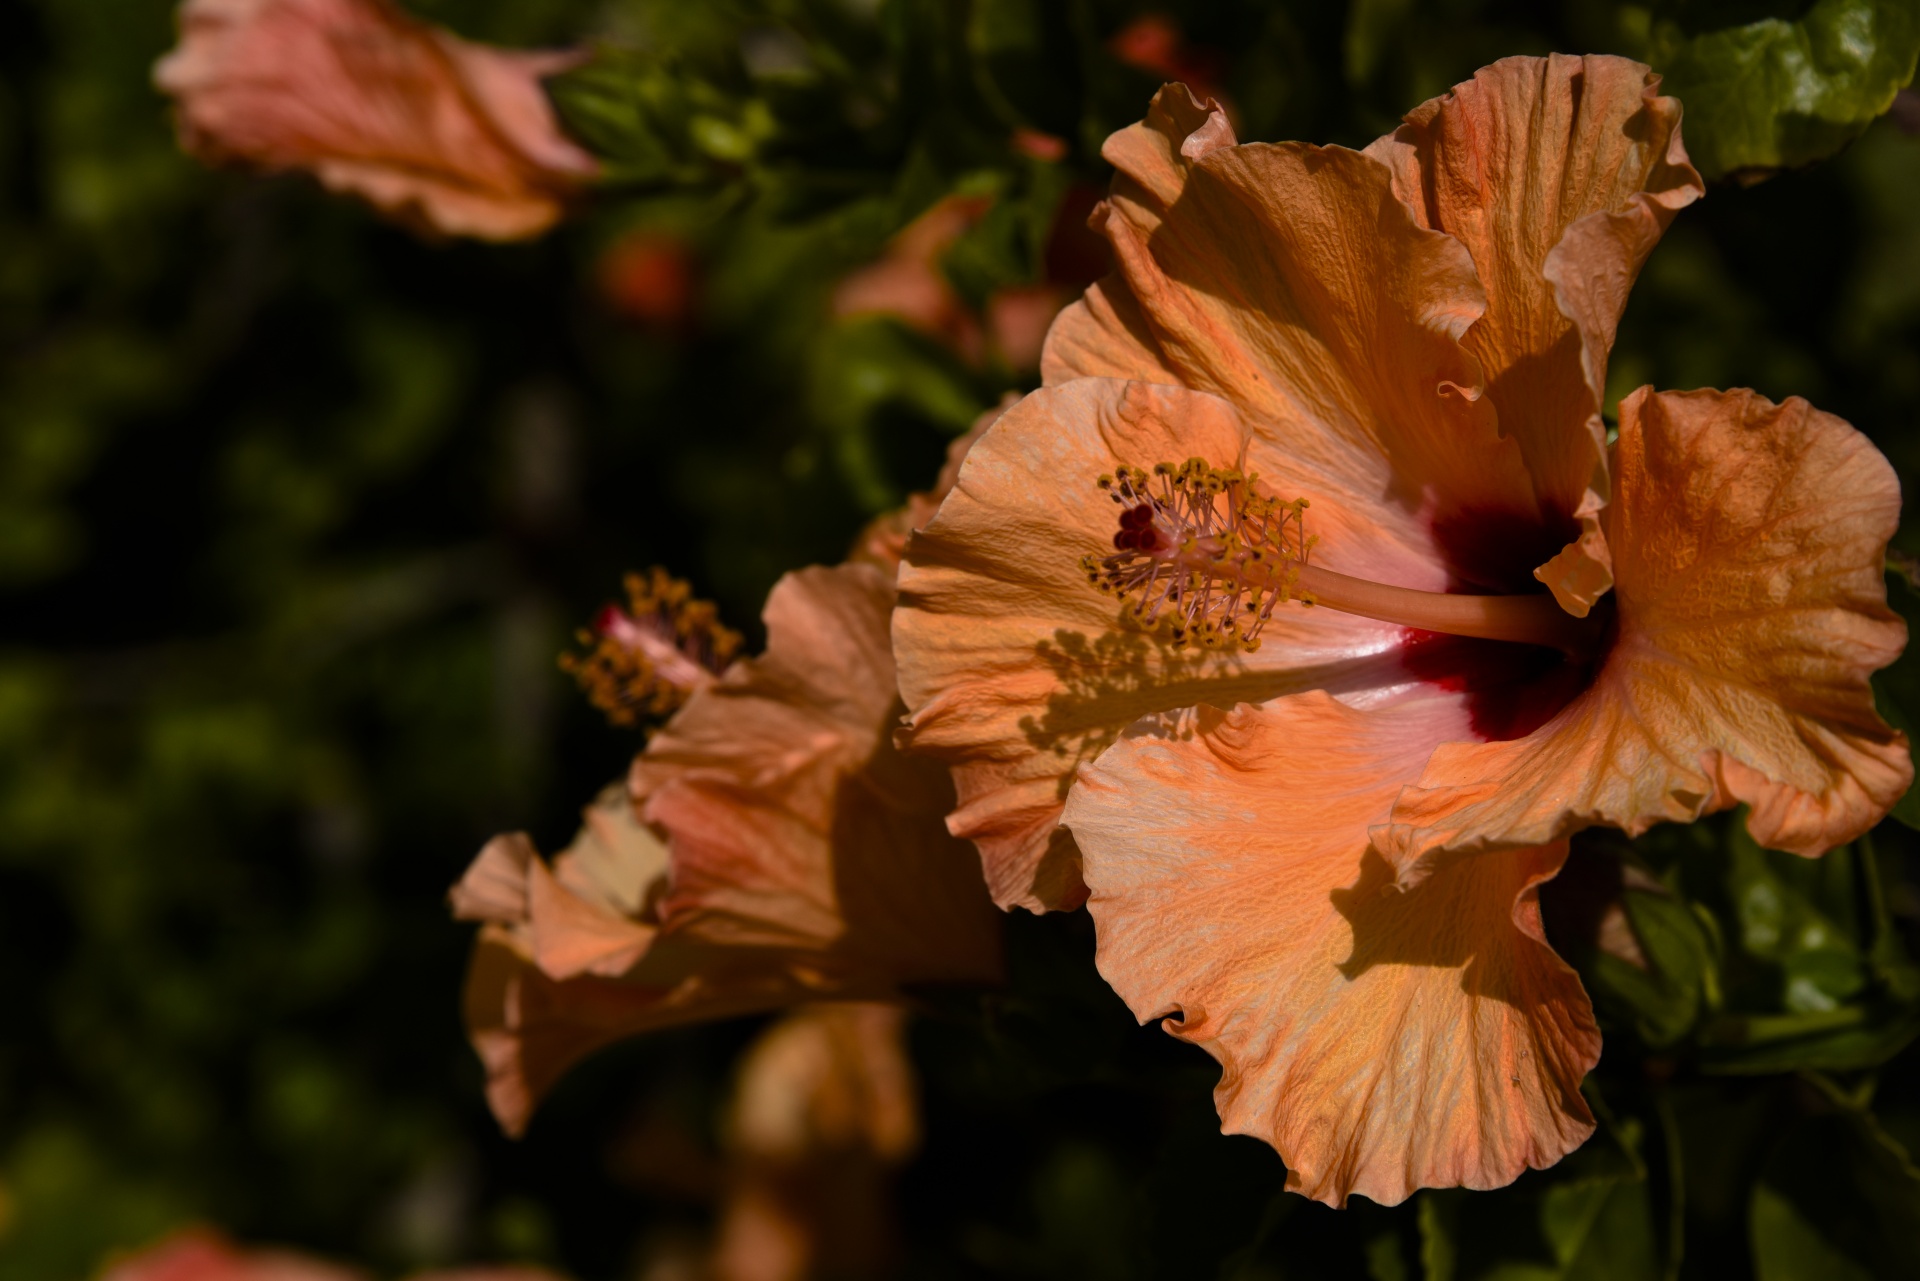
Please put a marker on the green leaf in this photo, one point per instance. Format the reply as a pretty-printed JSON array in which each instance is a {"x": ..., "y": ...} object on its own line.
[
  {"x": 1024, "y": 62},
  {"x": 1822, "y": 982},
  {"x": 1837, "y": 1199},
  {"x": 1668, "y": 1001},
  {"x": 1776, "y": 94},
  {"x": 874, "y": 380},
  {"x": 1589, "y": 1217},
  {"x": 654, "y": 123}
]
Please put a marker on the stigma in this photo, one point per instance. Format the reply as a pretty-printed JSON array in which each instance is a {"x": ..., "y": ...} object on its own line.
[
  {"x": 1201, "y": 555},
  {"x": 643, "y": 661}
]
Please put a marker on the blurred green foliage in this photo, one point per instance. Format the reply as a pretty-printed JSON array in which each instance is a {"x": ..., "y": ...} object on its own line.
[{"x": 295, "y": 512}]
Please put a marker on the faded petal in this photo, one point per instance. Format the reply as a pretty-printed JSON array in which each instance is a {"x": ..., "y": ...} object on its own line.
[
  {"x": 428, "y": 128},
  {"x": 199, "y": 1254},
  {"x": 825, "y": 1105},
  {"x": 1749, "y": 540},
  {"x": 833, "y": 1075},
  {"x": 1016, "y": 672},
  {"x": 530, "y": 1028},
  {"x": 909, "y": 284},
  {"x": 1292, "y": 281},
  {"x": 794, "y": 822},
  {"x": 1559, "y": 175},
  {"x": 1382, "y": 1041}
]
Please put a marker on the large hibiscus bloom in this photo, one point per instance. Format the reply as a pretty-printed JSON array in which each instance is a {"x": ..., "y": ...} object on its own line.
[{"x": 1332, "y": 886}]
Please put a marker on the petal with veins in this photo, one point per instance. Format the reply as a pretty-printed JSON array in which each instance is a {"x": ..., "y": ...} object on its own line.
[
  {"x": 1748, "y": 538},
  {"x": 1382, "y": 1040}
]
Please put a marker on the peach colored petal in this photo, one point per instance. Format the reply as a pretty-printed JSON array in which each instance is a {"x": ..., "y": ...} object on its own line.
[
  {"x": 456, "y": 137},
  {"x": 1016, "y": 672},
  {"x": 1748, "y": 540},
  {"x": 530, "y": 1029},
  {"x": 200, "y": 1254},
  {"x": 1382, "y": 1041},
  {"x": 1104, "y": 335},
  {"x": 824, "y": 1105},
  {"x": 582, "y": 917},
  {"x": 1559, "y": 175},
  {"x": 1292, "y": 281},
  {"x": 792, "y": 819}
]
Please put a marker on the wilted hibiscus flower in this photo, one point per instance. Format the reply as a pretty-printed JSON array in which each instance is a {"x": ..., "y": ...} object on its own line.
[
  {"x": 1395, "y": 618},
  {"x": 824, "y": 1107},
  {"x": 451, "y": 136},
  {"x": 200, "y": 1254},
  {"x": 770, "y": 847}
]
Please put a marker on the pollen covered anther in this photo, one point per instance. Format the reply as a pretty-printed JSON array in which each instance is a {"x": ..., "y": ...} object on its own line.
[
  {"x": 1201, "y": 553},
  {"x": 644, "y": 661},
  {"x": 1191, "y": 550}
]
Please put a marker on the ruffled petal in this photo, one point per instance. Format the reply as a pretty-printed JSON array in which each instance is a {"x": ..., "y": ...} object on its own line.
[
  {"x": 1103, "y": 335},
  {"x": 583, "y": 915},
  {"x": 200, "y": 1254},
  {"x": 530, "y": 1028},
  {"x": 1290, "y": 280},
  {"x": 794, "y": 822},
  {"x": 1382, "y": 1041},
  {"x": 1749, "y": 539},
  {"x": 1559, "y": 175},
  {"x": 1016, "y": 672}
]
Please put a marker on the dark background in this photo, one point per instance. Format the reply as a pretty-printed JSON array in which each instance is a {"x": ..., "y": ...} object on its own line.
[{"x": 296, "y": 511}]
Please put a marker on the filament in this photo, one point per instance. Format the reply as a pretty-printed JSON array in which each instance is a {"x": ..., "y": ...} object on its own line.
[{"x": 1201, "y": 552}]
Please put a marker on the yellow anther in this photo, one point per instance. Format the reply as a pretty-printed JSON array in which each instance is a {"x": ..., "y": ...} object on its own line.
[{"x": 644, "y": 661}]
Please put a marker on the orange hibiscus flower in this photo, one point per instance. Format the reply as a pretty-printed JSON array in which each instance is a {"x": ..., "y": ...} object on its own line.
[
  {"x": 1385, "y": 527},
  {"x": 771, "y": 847},
  {"x": 454, "y": 137}
]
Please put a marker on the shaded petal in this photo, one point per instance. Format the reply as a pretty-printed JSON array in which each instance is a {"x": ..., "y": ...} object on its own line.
[
  {"x": 1749, "y": 539},
  {"x": 199, "y": 1254},
  {"x": 428, "y": 128},
  {"x": 1382, "y": 1041},
  {"x": 1292, "y": 281},
  {"x": 1016, "y": 671},
  {"x": 1559, "y": 175},
  {"x": 530, "y": 1028},
  {"x": 792, "y": 819}
]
